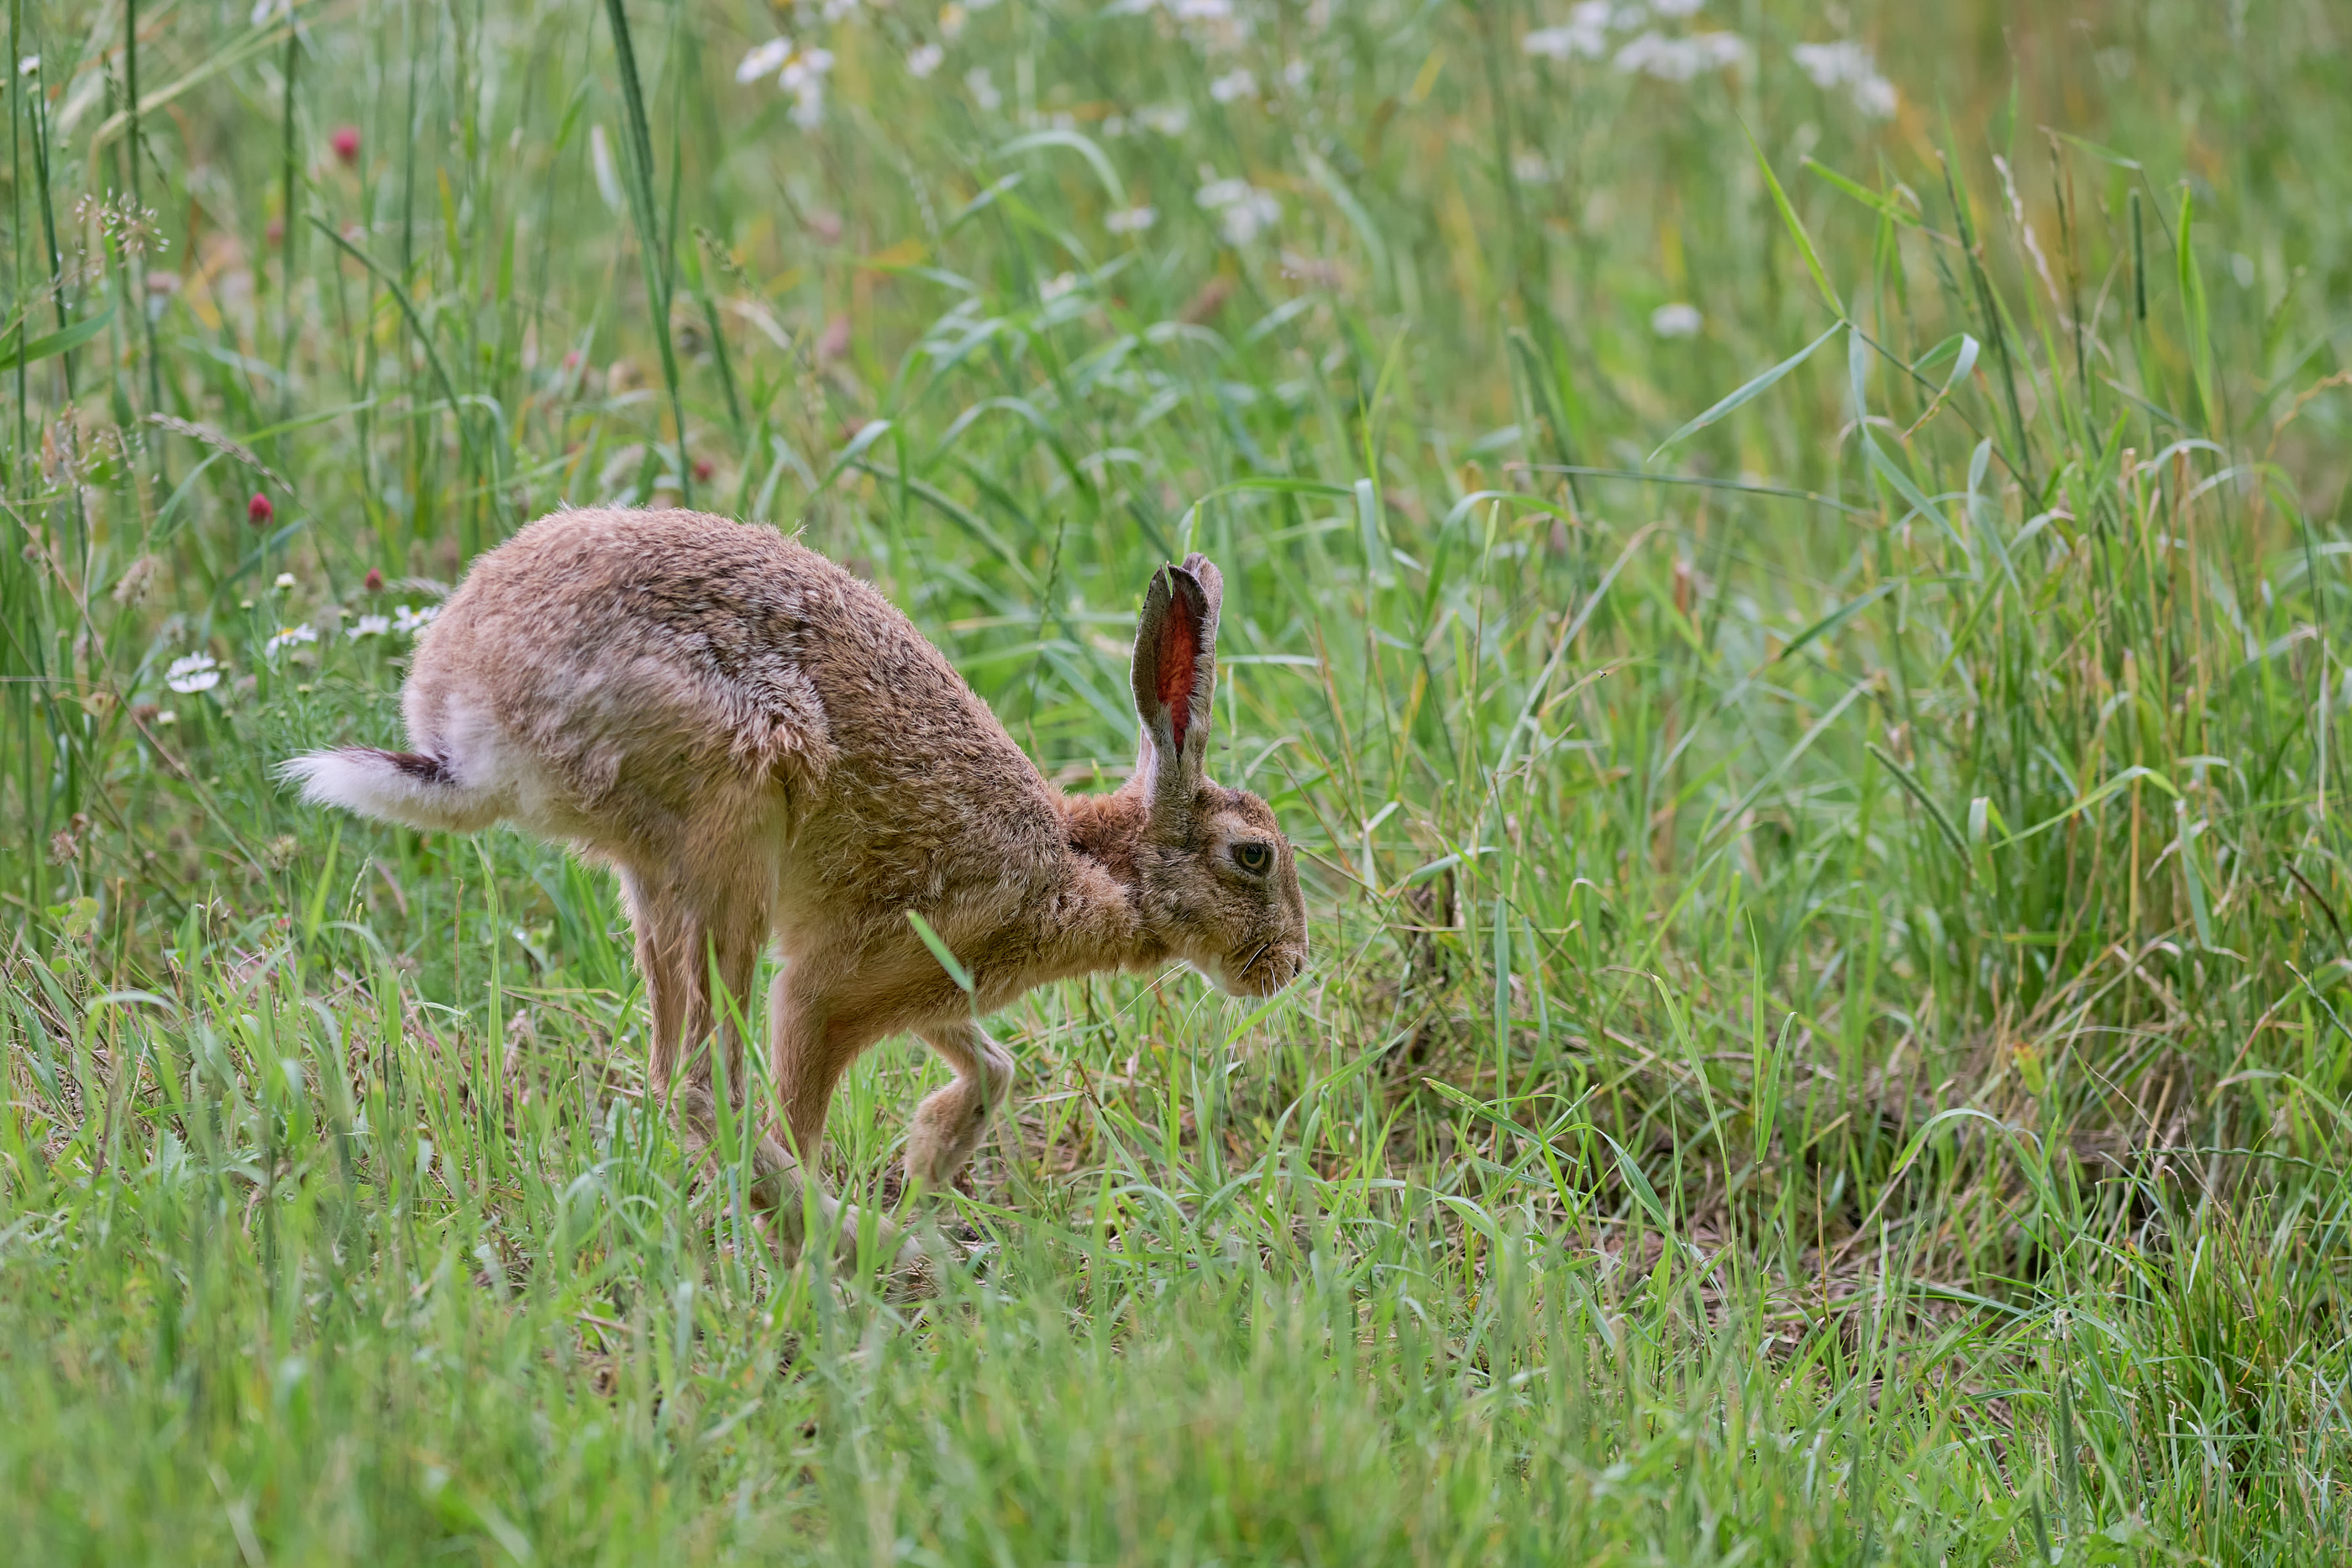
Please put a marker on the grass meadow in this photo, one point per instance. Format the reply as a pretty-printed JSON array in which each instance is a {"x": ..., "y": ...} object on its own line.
[{"x": 1788, "y": 571}]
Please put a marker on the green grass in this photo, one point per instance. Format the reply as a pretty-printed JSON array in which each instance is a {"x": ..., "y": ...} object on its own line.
[{"x": 1827, "y": 1039}]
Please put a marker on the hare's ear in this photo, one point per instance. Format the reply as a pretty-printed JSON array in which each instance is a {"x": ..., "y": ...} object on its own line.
[
  {"x": 1175, "y": 678},
  {"x": 1213, "y": 584}
]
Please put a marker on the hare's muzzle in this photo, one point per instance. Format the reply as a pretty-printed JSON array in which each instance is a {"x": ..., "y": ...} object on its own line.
[{"x": 1262, "y": 973}]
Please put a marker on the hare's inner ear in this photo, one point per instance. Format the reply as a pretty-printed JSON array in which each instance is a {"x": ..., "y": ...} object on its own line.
[
  {"x": 1174, "y": 678},
  {"x": 1178, "y": 671}
]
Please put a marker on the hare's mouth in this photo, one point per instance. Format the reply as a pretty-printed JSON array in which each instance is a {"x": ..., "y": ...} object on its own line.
[{"x": 1260, "y": 973}]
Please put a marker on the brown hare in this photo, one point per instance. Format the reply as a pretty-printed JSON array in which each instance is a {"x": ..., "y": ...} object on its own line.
[{"x": 763, "y": 748}]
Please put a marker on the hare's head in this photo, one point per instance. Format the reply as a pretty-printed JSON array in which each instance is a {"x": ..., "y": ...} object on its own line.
[{"x": 1219, "y": 885}]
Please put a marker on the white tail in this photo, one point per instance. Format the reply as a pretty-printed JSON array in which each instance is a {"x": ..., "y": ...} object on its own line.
[{"x": 397, "y": 786}]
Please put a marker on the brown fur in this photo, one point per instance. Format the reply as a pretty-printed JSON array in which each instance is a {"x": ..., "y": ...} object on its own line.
[{"x": 766, "y": 750}]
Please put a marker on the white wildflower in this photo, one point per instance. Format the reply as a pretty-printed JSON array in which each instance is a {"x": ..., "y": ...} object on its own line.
[
  {"x": 1832, "y": 65},
  {"x": 1848, "y": 65},
  {"x": 1298, "y": 74},
  {"x": 168, "y": 715},
  {"x": 1678, "y": 320},
  {"x": 196, "y": 673},
  {"x": 804, "y": 76},
  {"x": 285, "y": 580},
  {"x": 923, "y": 59},
  {"x": 1680, "y": 59},
  {"x": 412, "y": 621},
  {"x": 289, "y": 636},
  {"x": 806, "y": 69},
  {"x": 766, "y": 60},
  {"x": 600, "y": 158},
  {"x": 982, "y": 89},
  {"x": 951, "y": 22},
  {"x": 1168, "y": 118},
  {"x": 799, "y": 71},
  {"x": 1243, "y": 210},
  {"x": 1054, "y": 287},
  {"x": 1132, "y": 220},
  {"x": 1583, "y": 37},
  {"x": 371, "y": 626},
  {"x": 1720, "y": 51},
  {"x": 1234, "y": 85},
  {"x": 30, "y": 65}
]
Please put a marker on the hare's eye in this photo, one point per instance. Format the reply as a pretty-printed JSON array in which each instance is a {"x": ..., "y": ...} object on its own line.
[{"x": 1253, "y": 857}]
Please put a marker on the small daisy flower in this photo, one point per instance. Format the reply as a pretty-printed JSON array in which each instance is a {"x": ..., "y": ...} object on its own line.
[
  {"x": 1851, "y": 65},
  {"x": 1577, "y": 40},
  {"x": 195, "y": 673},
  {"x": 1243, "y": 210},
  {"x": 766, "y": 60},
  {"x": 370, "y": 626},
  {"x": 923, "y": 59},
  {"x": 1681, "y": 59},
  {"x": 412, "y": 621},
  {"x": 167, "y": 716},
  {"x": 289, "y": 636},
  {"x": 951, "y": 22},
  {"x": 285, "y": 580},
  {"x": 1133, "y": 220},
  {"x": 804, "y": 76},
  {"x": 982, "y": 89},
  {"x": 1234, "y": 85},
  {"x": 1678, "y": 320}
]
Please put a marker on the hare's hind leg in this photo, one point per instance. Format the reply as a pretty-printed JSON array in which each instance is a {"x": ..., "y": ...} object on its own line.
[
  {"x": 948, "y": 1124},
  {"x": 684, "y": 934},
  {"x": 680, "y": 943}
]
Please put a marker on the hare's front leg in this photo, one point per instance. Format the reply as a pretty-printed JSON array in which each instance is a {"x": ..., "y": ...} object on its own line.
[
  {"x": 951, "y": 1122},
  {"x": 809, "y": 1049}
]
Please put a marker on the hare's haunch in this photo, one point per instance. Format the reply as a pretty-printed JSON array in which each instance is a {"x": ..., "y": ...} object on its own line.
[{"x": 764, "y": 748}]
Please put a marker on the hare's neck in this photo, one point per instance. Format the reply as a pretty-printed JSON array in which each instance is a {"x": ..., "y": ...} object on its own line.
[{"x": 1100, "y": 924}]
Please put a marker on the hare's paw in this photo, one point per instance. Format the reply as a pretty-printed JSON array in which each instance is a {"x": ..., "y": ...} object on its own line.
[
  {"x": 950, "y": 1123},
  {"x": 947, "y": 1129}
]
